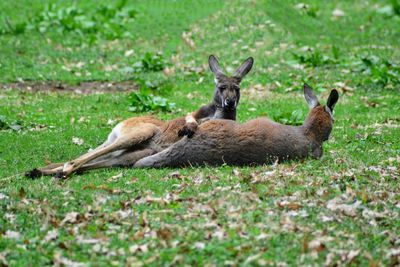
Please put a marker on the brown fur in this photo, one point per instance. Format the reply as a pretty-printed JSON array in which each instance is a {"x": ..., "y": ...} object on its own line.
[
  {"x": 138, "y": 137},
  {"x": 257, "y": 141}
]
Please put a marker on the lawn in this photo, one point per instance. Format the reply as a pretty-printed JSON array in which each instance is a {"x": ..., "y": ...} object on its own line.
[{"x": 340, "y": 210}]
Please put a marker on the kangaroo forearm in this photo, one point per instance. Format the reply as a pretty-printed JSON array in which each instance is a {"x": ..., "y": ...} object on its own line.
[
  {"x": 203, "y": 112},
  {"x": 190, "y": 119},
  {"x": 197, "y": 116}
]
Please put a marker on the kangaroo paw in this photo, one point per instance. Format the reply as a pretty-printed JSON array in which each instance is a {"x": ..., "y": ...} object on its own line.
[{"x": 189, "y": 129}]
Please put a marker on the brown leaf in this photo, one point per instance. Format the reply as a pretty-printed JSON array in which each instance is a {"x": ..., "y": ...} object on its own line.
[
  {"x": 12, "y": 235},
  {"x": 143, "y": 220},
  {"x": 77, "y": 141},
  {"x": 51, "y": 235},
  {"x": 176, "y": 175},
  {"x": 103, "y": 187},
  {"x": 289, "y": 205},
  {"x": 62, "y": 245},
  {"x": 71, "y": 217},
  {"x": 347, "y": 209},
  {"x": 138, "y": 248},
  {"x": 115, "y": 177},
  {"x": 305, "y": 245},
  {"x": 22, "y": 193},
  {"x": 169, "y": 71},
  {"x": 318, "y": 244},
  {"x": 164, "y": 234},
  {"x": 352, "y": 255},
  {"x": 59, "y": 260}
]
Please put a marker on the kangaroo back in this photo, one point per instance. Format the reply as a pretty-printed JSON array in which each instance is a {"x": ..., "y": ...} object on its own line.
[
  {"x": 255, "y": 142},
  {"x": 223, "y": 142}
]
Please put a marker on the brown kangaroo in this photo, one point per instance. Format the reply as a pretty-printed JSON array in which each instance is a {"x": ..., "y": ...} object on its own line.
[
  {"x": 257, "y": 141},
  {"x": 139, "y": 137}
]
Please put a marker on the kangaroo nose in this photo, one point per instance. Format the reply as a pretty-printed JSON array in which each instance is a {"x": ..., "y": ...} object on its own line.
[{"x": 230, "y": 103}]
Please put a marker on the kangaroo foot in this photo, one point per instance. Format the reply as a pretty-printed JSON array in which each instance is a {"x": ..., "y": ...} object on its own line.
[
  {"x": 69, "y": 168},
  {"x": 61, "y": 175},
  {"x": 35, "y": 173}
]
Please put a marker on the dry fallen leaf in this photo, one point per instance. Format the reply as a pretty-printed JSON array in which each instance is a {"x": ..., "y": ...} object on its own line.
[
  {"x": 138, "y": 248},
  {"x": 22, "y": 193},
  {"x": 82, "y": 119},
  {"x": 301, "y": 6},
  {"x": 77, "y": 141},
  {"x": 116, "y": 177},
  {"x": 251, "y": 259},
  {"x": 343, "y": 87},
  {"x": 319, "y": 243},
  {"x": 338, "y": 13},
  {"x": 394, "y": 253},
  {"x": 51, "y": 235},
  {"x": 59, "y": 260},
  {"x": 128, "y": 53},
  {"x": 169, "y": 71},
  {"x": 352, "y": 255},
  {"x": 175, "y": 175},
  {"x": 11, "y": 235},
  {"x": 346, "y": 209},
  {"x": 199, "y": 245},
  {"x": 289, "y": 205},
  {"x": 111, "y": 122},
  {"x": 70, "y": 217}
]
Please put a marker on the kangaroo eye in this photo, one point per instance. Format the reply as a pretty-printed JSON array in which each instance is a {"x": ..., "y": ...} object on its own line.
[{"x": 222, "y": 88}]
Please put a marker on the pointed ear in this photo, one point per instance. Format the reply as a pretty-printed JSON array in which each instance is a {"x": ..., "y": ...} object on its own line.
[
  {"x": 214, "y": 66},
  {"x": 244, "y": 68},
  {"x": 332, "y": 99},
  {"x": 311, "y": 99}
]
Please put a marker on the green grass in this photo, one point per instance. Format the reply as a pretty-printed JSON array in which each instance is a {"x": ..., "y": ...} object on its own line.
[{"x": 266, "y": 215}]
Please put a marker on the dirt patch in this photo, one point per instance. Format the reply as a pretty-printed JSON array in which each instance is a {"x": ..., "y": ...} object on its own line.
[{"x": 81, "y": 88}]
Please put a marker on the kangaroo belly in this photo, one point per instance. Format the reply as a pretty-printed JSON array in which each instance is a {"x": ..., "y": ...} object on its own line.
[{"x": 218, "y": 142}]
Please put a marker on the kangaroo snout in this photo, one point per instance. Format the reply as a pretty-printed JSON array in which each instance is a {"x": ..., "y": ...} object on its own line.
[{"x": 229, "y": 103}]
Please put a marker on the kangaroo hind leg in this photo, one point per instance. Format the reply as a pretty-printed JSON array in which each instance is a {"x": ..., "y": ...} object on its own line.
[
  {"x": 125, "y": 139},
  {"x": 172, "y": 156},
  {"x": 54, "y": 168},
  {"x": 126, "y": 159}
]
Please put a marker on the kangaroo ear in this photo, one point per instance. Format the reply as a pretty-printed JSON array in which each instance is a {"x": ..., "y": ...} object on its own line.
[
  {"x": 244, "y": 68},
  {"x": 214, "y": 66},
  {"x": 332, "y": 99},
  {"x": 311, "y": 99}
]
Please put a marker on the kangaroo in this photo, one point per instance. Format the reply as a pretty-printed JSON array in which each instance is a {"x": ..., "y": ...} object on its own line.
[
  {"x": 225, "y": 100},
  {"x": 257, "y": 141},
  {"x": 139, "y": 137}
]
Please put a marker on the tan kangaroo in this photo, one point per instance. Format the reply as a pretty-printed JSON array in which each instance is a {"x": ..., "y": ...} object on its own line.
[
  {"x": 257, "y": 141},
  {"x": 139, "y": 137}
]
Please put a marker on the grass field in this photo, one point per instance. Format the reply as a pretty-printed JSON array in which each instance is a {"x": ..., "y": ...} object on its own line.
[{"x": 340, "y": 210}]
